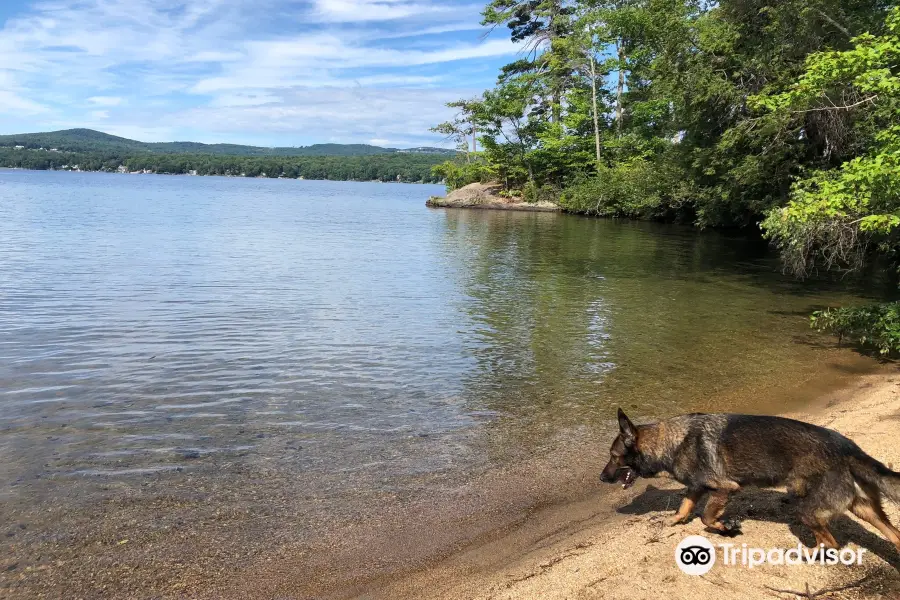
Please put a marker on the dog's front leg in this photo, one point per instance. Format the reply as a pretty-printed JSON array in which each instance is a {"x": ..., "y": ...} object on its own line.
[
  {"x": 687, "y": 507},
  {"x": 715, "y": 507}
]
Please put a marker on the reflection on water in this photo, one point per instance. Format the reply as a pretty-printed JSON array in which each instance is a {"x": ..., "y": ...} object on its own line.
[
  {"x": 573, "y": 316},
  {"x": 323, "y": 341}
]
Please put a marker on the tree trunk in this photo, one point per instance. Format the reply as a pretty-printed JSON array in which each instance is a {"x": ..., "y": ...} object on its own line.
[
  {"x": 620, "y": 88},
  {"x": 556, "y": 99},
  {"x": 596, "y": 116}
]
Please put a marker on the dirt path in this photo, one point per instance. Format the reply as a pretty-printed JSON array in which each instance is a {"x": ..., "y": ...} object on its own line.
[{"x": 622, "y": 549}]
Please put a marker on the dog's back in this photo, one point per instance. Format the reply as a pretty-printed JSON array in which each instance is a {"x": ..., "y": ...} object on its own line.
[{"x": 773, "y": 451}]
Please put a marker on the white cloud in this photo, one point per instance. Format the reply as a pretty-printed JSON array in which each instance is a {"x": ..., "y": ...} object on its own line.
[
  {"x": 105, "y": 100},
  {"x": 470, "y": 25},
  {"x": 12, "y": 103},
  {"x": 348, "y": 114},
  {"x": 391, "y": 80},
  {"x": 312, "y": 59},
  {"x": 345, "y": 11},
  {"x": 244, "y": 99},
  {"x": 213, "y": 56},
  {"x": 351, "y": 69}
]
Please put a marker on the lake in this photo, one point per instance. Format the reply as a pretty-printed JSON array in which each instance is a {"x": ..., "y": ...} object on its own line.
[{"x": 201, "y": 372}]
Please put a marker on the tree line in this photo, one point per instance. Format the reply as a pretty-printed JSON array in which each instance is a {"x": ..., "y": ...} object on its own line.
[
  {"x": 89, "y": 140},
  {"x": 401, "y": 167},
  {"x": 734, "y": 113}
]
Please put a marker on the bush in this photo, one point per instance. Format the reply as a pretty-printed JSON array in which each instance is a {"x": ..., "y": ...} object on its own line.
[
  {"x": 457, "y": 174},
  {"x": 533, "y": 193},
  {"x": 876, "y": 326},
  {"x": 629, "y": 189}
]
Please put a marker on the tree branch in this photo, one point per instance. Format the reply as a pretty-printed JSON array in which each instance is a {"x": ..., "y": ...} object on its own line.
[
  {"x": 840, "y": 27},
  {"x": 844, "y": 107}
]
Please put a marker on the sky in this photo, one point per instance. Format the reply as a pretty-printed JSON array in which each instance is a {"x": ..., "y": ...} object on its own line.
[{"x": 262, "y": 72}]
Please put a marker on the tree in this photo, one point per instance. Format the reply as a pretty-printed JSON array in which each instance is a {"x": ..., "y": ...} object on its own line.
[
  {"x": 463, "y": 126},
  {"x": 834, "y": 214},
  {"x": 543, "y": 25}
]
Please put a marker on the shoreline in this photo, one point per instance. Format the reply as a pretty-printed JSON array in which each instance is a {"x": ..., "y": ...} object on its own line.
[
  {"x": 546, "y": 528},
  {"x": 213, "y": 175},
  {"x": 613, "y": 543},
  {"x": 542, "y": 528}
]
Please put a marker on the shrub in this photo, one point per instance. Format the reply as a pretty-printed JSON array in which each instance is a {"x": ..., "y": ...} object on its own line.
[
  {"x": 629, "y": 189},
  {"x": 457, "y": 174},
  {"x": 876, "y": 325},
  {"x": 533, "y": 193}
]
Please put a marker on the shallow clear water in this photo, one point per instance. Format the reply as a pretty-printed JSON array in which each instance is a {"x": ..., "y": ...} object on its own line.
[{"x": 345, "y": 335}]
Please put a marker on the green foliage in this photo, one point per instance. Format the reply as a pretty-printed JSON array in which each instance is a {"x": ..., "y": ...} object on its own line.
[
  {"x": 835, "y": 213},
  {"x": 409, "y": 168},
  {"x": 876, "y": 326},
  {"x": 458, "y": 173},
  {"x": 724, "y": 114},
  {"x": 607, "y": 84},
  {"x": 630, "y": 188}
]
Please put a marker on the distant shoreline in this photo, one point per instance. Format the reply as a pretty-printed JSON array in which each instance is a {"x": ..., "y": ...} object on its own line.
[
  {"x": 89, "y": 151},
  {"x": 2, "y": 168}
]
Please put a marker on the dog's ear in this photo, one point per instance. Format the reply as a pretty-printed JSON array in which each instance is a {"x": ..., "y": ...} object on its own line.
[{"x": 629, "y": 432}]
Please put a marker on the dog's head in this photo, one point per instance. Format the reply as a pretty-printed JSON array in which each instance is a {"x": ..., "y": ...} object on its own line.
[{"x": 623, "y": 455}]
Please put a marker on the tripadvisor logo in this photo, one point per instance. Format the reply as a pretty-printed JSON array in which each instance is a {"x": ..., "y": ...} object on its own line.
[{"x": 696, "y": 555}]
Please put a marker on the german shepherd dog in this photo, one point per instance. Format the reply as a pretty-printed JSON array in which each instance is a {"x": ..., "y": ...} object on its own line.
[{"x": 717, "y": 454}]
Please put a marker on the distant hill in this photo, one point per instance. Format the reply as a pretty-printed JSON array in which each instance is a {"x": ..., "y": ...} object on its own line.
[{"x": 89, "y": 140}]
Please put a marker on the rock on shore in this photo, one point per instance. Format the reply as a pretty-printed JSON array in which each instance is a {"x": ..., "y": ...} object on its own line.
[{"x": 486, "y": 195}]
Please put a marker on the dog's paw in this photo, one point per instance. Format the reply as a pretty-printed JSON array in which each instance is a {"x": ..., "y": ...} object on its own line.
[
  {"x": 676, "y": 520},
  {"x": 731, "y": 527},
  {"x": 727, "y": 527}
]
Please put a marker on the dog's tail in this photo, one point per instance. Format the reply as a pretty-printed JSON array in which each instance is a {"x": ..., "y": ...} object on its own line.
[
  {"x": 878, "y": 475},
  {"x": 889, "y": 483}
]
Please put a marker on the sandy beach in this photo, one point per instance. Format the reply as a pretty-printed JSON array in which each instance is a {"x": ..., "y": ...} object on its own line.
[
  {"x": 618, "y": 547},
  {"x": 607, "y": 543},
  {"x": 489, "y": 539}
]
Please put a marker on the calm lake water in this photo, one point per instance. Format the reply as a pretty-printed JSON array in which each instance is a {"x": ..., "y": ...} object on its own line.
[{"x": 174, "y": 349}]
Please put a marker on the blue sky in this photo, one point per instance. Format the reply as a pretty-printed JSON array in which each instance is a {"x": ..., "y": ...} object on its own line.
[{"x": 266, "y": 72}]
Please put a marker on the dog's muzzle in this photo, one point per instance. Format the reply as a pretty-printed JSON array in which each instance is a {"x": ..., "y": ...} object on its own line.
[{"x": 624, "y": 475}]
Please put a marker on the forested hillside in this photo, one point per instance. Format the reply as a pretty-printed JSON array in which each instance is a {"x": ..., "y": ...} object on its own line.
[
  {"x": 407, "y": 168},
  {"x": 88, "y": 140},
  {"x": 732, "y": 113}
]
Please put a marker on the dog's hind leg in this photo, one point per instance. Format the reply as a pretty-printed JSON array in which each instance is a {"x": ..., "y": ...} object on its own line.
[
  {"x": 870, "y": 511},
  {"x": 819, "y": 525},
  {"x": 829, "y": 495},
  {"x": 712, "y": 515},
  {"x": 687, "y": 507}
]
